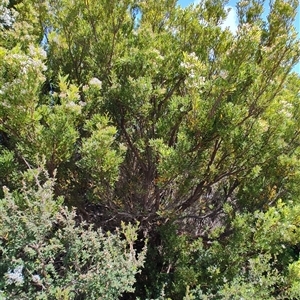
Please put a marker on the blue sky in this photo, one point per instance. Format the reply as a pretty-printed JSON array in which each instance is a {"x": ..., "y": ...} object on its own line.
[{"x": 231, "y": 22}]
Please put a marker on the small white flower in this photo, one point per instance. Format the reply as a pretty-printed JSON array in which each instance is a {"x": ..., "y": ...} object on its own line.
[
  {"x": 36, "y": 278},
  {"x": 183, "y": 65},
  {"x": 201, "y": 79},
  {"x": 194, "y": 56},
  {"x": 63, "y": 95},
  {"x": 85, "y": 87},
  {"x": 71, "y": 104},
  {"x": 223, "y": 74},
  {"x": 96, "y": 82},
  {"x": 192, "y": 74}
]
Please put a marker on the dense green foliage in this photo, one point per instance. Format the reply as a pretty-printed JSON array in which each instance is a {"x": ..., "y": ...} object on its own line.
[
  {"x": 146, "y": 112},
  {"x": 46, "y": 255}
]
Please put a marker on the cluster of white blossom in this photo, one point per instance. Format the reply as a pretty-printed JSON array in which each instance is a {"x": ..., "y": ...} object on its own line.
[
  {"x": 192, "y": 66},
  {"x": 286, "y": 109},
  {"x": 190, "y": 61},
  {"x": 157, "y": 54},
  {"x": 172, "y": 30},
  {"x": 31, "y": 64},
  {"x": 243, "y": 3},
  {"x": 155, "y": 59},
  {"x": 15, "y": 276},
  {"x": 29, "y": 67},
  {"x": 263, "y": 125},
  {"x": 250, "y": 31},
  {"x": 73, "y": 107},
  {"x": 245, "y": 27},
  {"x": 95, "y": 82},
  {"x": 37, "y": 52},
  {"x": 7, "y": 88},
  {"x": 7, "y": 16}
]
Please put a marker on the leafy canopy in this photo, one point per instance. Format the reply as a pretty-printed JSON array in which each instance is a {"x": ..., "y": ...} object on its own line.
[{"x": 145, "y": 111}]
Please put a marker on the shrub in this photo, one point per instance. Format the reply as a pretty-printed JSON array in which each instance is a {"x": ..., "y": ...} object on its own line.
[{"x": 46, "y": 253}]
